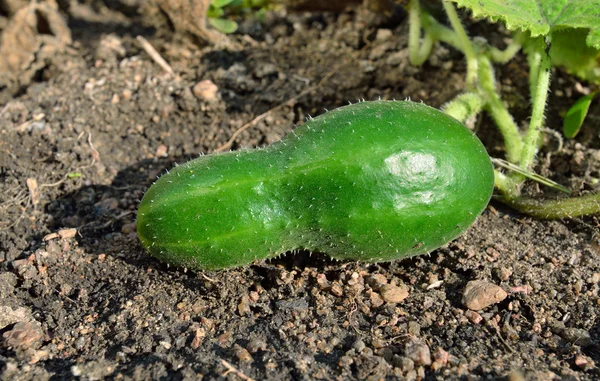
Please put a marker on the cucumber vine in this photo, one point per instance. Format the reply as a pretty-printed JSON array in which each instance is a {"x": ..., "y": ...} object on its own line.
[{"x": 482, "y": 94}]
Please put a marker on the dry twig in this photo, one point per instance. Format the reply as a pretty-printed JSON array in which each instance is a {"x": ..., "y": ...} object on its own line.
[
  {"x": 155, "y": 55},
  {"x": 231, "y": 368},
  {"x": 207, "y": 278}
]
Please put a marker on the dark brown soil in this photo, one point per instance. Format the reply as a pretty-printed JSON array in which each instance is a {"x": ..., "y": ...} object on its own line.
[{"x": 102, "y": 120}]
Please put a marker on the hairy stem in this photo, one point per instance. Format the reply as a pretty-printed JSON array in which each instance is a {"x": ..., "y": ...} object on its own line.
[
  {"x": 465, "y": 43},
  {"x": 532, "y": 137},
  {"x": 418, "y": 53},
  {"x": 506, "y": 185},
  {"x": 440, "y": 32},
  {"x": 464, "y": 106},
  {"x": 555, "y": 209},
  {"x": 496, "y": 108},
  {"x": 503, "y": 56},
  {"x": 534, "y": 59}
]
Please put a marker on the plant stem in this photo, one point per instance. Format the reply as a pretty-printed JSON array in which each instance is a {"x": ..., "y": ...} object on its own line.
[
  {"x": 555, "y": 209},
  {"x": 440, "y": 32},
  {"x": 503, "y": 56},
  {"x": 464, "y": 106},
  {"x": 534, "y": 59},
  {"x": 417, "y": 52},
  {"x": 506, "y": 185},
  {"x": 530, "y": 147},
  {"x": 465, "y": 43},
  {"x": 496, "y": 108}
]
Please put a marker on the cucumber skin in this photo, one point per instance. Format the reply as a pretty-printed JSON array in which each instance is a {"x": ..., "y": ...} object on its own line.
[{"x": 372, "y": 181}]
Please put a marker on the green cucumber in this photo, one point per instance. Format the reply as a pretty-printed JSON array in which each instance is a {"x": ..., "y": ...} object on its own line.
[{"x": 372, "y": 181}]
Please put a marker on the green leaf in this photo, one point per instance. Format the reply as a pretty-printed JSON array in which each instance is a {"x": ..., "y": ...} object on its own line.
[
  {"x": 576, "y": 115},
  {"x": 214, "y": 13},
  {"x": 223, "y": 25},
  {"x": 570, "y": 50},
  {"x": 220, "y": 3},
  {"x": 74, "y": 175},
  {"x": 541, "y": 17}
]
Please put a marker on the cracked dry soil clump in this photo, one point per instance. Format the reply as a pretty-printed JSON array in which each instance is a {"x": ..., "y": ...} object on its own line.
[{"x": 80, "y": 145}]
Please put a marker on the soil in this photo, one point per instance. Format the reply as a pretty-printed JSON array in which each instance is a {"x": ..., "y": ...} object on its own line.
[{"x": 101, "y": 120}]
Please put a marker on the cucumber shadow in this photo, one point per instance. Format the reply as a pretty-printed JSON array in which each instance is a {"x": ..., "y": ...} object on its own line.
[{"x": 105, "y": 215}]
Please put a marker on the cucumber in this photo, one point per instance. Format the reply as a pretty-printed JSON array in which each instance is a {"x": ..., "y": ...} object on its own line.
[{"x": 372, "y": 181}]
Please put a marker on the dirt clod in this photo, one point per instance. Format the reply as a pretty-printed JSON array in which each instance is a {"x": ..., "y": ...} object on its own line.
[
  {"x": 9, "y": 315},
  {"x": 24, "y": 336},
  {"x": 393, "y": 294}
]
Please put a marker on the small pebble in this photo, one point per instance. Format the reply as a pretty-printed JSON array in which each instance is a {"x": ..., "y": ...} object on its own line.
[
  {"x": 376, "y": 281},
  {"x": 129, "y": 228},
  {"x": 479, "y": 294},
  {"x": 577, "y": 336},
  {"x": 199, "y": 334},
  {"x": 256, "y": 345},
  {"x": 376, "y": 300},
  {"x": 414, "y": 328},
  {"x": 161, "y": 151},
  {"x": 205, "y": 90},
  {"x": 397, "y": 58},
  {"x": 244, "y": 306},
  {"x": 67, "y": 233},
  {"x": 8, "y": 281},
  {"x": 80, "y": 343},
  {"x": 503, "y": 273},
  {"x": 383, "y": 34},
  {"x": 323, "y": 282},
  {"x": 337, "y": 290},
  {"x": 441, "y": 358},
  {"x": 584, "y": 362},
  {"x": 516, "y": 375},
  {"x": 242, "y": 353},
  {"x": 418, "y": 352},
  {"x": 403, "y": 363},
  {"x": 358, "y": 345},
  {"x": 473, "y": 317}
]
